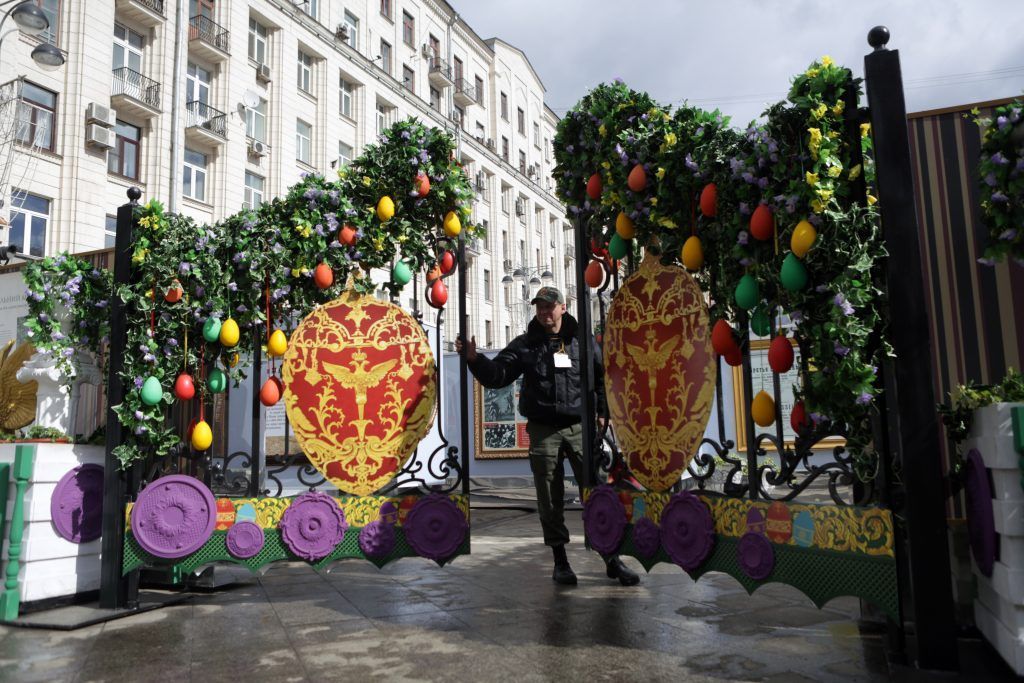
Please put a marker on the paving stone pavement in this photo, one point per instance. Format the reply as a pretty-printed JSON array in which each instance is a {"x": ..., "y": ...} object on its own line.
[{"x": 492, "y": 616}]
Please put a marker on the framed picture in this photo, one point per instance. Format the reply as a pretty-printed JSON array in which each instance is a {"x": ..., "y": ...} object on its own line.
[
  {"x": 761, "y": 377},
  {"x": 500, "y": 429}
]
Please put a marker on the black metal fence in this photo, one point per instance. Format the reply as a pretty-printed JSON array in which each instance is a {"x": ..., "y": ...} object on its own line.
[
  {"x": 201, "y": 115},
  {"x": 133, "y": 84},
  {"x": 207, "y": 30}
]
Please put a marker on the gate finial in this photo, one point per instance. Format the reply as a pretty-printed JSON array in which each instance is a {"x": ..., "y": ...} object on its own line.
[{"x": 878, "y": 37}]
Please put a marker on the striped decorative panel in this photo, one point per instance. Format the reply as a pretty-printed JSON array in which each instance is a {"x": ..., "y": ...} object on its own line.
[{"x": 976, "y": 312}]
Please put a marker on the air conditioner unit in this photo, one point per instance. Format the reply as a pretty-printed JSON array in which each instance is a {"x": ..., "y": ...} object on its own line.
[
  {"x": 531, "y": 170},
  {"x": 341, "y": 32},
  {"x": 490, "y": 143},
  {"x": 427, "y": 52},
  {"x": 507, "y": 263},
  {"x": 257, "y": 148},
  {"x": 98, "y": 136},
  {"x": 263, "y": 73},
  {"x": 97, "y": 113}
]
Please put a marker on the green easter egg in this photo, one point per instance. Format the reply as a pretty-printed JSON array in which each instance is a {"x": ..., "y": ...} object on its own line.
[
  {"x": 761, "y": 322},
  {"x": 217, "y": 381},
  {"x": 211, "y": 329},
  {"x": 794, "y": 274},
  {"x": 617, "y": 247},
  {"x": 401, "y": 273},
  {"x": 151, "y": 393},
  {"x": 747, "y": 294}
]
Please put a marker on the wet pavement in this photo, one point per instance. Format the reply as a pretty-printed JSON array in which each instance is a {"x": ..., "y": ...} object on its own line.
[{"x": 495, "y": 615}]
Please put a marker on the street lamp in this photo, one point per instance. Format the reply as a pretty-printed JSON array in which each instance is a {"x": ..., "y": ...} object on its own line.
[
  {"x": 31, "y": 20},
  {"x": 519, "y": 306}
]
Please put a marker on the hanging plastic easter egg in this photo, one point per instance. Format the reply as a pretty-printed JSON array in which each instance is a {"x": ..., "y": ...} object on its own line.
[
  {"x": 151, "y": 393},
  {"x": 230, "y": 359},
  {"x": 184, "y": 387},
  {"x": 594, "y": 274},
  {"x": 780, "y": 354},
  {"x": 709, "y": 200},
  {"x": 763, "y": 409},
  {"x": 433, "y": 274},
  {"x": 448, "y": 262},
  {"x": 760, "y": 322},
  {"x": 174, "y": 293},
  {"x": 401, "y": 273},
  {"x": 323, "y": 276},
  {"x": 597, "y": 247},
  {"x": 624, "y": 226},
  {"x": 692, "y": 253},
  {"x": 802, "y": 239},
  {"x": 762, "y": 223},
  {"x": 216, "y": 381},
  {"x": 617, "y": 247},
  {"x": 794, "y": 274},
  {"x": 270, "y": 393},
  {"x": 385, "y": 209},
  {"x": 734, "y": 357},
  {"x": 747, "y": 293},
  {"x": 594, "y": 187},
  {"x": 211, "y": 329},
  {"x": 422, "y": 184},
  {"x": 229, "y": 333},
  {"x": 798, "y": 417},
  {"x": 347, "y": 235},
  {"x": 722, "y": 339},
  {"x": 277, "y": 344},
  {"x": 452, "y": 224},
  {"x": 637, "y": 180},
  {"x": 202, "y": 436},
  {"x": 438, "y": 294}
]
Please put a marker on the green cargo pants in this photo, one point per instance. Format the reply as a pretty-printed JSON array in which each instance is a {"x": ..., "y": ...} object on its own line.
[{"x": 546, "y": 464}]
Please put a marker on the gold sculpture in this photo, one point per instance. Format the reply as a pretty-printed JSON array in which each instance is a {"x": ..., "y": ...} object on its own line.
[{"x": 17, "y": 399}]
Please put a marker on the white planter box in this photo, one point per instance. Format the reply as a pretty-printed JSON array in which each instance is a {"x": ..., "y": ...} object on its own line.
[{"x": 51, "y": 567}]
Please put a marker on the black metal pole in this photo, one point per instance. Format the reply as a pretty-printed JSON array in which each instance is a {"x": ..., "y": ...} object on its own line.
[
  {"x": 463, "y": 366},
  {"x": 256, "y": 448},
  {"x": 585, "y": 339},
  {"x": 114, "y": 588},
  {"x": 912, "y": 395}
]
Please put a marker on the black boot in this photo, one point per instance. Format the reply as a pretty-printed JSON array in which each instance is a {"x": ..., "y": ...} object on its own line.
[
  {"x": 617, "y": 570},
  {"x": 563, "y": 573}
]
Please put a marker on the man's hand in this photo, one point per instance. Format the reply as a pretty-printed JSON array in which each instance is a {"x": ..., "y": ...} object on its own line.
[{"x": 468, "y": 349}]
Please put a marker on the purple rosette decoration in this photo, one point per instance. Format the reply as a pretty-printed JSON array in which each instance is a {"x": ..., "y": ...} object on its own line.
[
  {"x": 981, "y": 523},
  {"x": 756, "y": 555},
  {"x": 245, "y": 540},
  {"x": 646, "y": 537},
  {"x": 313, "y": 525},
  {"x": 377, "y": 539},
  {"x": 76, "y": 506},
  {"x": 687, "y": 530},
  {"x": 604, "y": 520},
  {"x": 174, "y": 516},
  {"x": 435, "y": 527}
]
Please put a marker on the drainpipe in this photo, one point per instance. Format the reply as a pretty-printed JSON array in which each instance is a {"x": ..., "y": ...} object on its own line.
[
  {"x": 181, "y": 22},
  {"x": 450, "y": 99}
]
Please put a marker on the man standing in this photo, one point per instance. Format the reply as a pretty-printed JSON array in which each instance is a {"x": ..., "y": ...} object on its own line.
[{"x": 547, "y": 357}]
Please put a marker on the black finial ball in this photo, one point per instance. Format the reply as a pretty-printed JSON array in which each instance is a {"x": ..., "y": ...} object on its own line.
[
  {"x": 134, "y": 194},
  {"x": 878, "y": 37}
]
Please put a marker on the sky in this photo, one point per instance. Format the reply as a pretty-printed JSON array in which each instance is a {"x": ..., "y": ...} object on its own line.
[{"x": 739, "y": 56}]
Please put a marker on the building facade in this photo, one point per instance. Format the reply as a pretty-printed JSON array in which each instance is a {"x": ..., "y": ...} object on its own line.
[{"x": 212, "y": 106}]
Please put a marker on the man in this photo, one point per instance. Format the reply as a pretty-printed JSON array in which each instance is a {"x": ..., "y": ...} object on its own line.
[{"x": 547, "y": 357}]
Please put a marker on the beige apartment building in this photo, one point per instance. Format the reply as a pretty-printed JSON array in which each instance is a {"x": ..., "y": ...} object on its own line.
[{"x": 214, "y": 105}]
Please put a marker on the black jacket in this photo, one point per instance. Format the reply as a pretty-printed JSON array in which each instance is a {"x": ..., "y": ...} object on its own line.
[{"x": 549, "y": 395}]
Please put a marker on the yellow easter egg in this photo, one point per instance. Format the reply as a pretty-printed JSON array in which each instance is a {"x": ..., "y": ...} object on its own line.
[
  {"x": 763, "y": 409},
  {"x": 693, "y": 253},
  {"x": 229, "y": 333},
  {"x": 202, "y": 436},
  {"x": 385, "y": 209},
  {"x": 452, "y": 225},
  {"x": 803, "y": 238},
  {"x": 277, "y": 344},
  {"x": 624, "y": 226}
]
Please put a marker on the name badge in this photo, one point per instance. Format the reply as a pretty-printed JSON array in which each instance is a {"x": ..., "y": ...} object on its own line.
[{"x": 562, "y": 360}]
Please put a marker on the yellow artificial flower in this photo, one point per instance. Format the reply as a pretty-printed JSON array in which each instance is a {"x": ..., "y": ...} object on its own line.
[
  {"x": 824, "y": 194},
  {"x": 607, "y": 166},
  {"x": 402, "y": 239},
  {"x": 811, "y": 73},
  {"x": 854, "y": 172},
  {"x": 832, "y": 134},
  {"x": 838, "y": 108},
  {"x": 660, "y": 173},
  {"x": 812, "y": 179},
  {"x": 602, "y": 130},
  {"x": 819, "y": 111},
  {"x": 653, "y": 201},
  {"x": 667, "y": 222},
  {"x": 817, "y": 206},
  {"x": 865, "y": 129},
  {"x": 834, "y": 171},
  {"x": 871, "y": 200},
  {"x": 366, "y": 180},
  {"x": 815, "y": 136},
  {"x": 139, "y": 256},
  {"x": 827, "y": 61},
  {"x": 614, "y": 199},
  {"x": 670, "y": 139},
  {"x": 296, "y": 272}
]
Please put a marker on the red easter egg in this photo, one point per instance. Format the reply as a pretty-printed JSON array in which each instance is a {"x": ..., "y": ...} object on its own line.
[
  {"x": 448, "y": 262},
  {"x": 762, "y": 223},
  {"x": 798, "y": 417},
  {"x": 734, "y": 357},
  {"x": 184, "y": 387},
  {"x": 437, "y": 294},
  {"x": 709, "y": 200},
  {"x": 323, "y": 276},
  {"x": 175, "y": 293},
  {"x": 780, "y": 354},
  {"x": 422, "y": 184},
  {"x": 594, "y": 187},
  {"x": 270, "y": 393},
  {"x": 779, "y": 526},
  {"x": 594, "y": 274},
  {"x": 597, "y": 248},
  {"x": 433, "y": 274},
  {"x": 347, "y": 235},
  {"x": 637, "y": 180},
  {"x": 722, "y": 339}
]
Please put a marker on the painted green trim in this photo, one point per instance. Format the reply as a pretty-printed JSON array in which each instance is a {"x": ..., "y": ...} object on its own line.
[{"x": 10, "y": 601}]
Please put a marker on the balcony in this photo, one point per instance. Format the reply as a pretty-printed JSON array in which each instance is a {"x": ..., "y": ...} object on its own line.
[
  {"x": 465, "y": 94},
  {"x": 440, "y": 73},
  {"x": 570, "y": 252},
  {"x": 474, "y": 246},
  {"x": 134, "y": 94},
  {"x": 207, "y": 38},
  {"x": 148, "y": 13},
  {"x": 204, "y": 125}
]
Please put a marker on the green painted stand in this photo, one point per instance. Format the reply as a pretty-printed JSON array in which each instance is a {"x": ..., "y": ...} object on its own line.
[
  {"x": 5, "y": 480},
  {"x": 11, "y": 598}
]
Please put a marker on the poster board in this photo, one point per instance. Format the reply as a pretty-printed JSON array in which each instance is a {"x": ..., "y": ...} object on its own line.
[
  {"x": 500, "y": 430},
  {"x": 13, "y": 308}
]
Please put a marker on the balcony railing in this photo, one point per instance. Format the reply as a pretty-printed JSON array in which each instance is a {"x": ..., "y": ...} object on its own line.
[
  {"x": 439, "y": 70},
  {"x": 202, "y": 115},
  {"x": 464, "y": 92},
  {"x": 135, "y": 85},
  {"x": 155, "y": 5},
  {"x": 207, "y": 30}
]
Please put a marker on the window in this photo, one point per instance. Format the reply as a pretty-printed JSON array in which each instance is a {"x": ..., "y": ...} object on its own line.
[
  {"x": 312, "y": 8},
  {"x": 51, "y": 8},
  {"x": 347, "y": 92},
  {"x": 480, "y": 131},
  {"x": 488, "y": 335},
  {"x": 258, "y": 42},
  {"x": 304, "y": 142},
  {"x": 504, "y": 106},
  {"x": 352, "y": 23},
  {"x": 408, "y": 78},
  {"x": 504, "y": 148},
  {"x": 305, "y": 72},
  {"x": 253, "y": 191},
  {"x": 109, "y": 231},
  {"x": 458, "y": 72},
  {"x": 385, "y": 8},
  {"x": 504, "y": 198},
  {"x": 479, "y": 82},
  {"x": 435, "y": 99},
  {"x": 385, "y": 56},
  {"x": 29, "y": 214},
  {"x": 460, "y": 117},
  {"x": 536, "y": 135},
  {"x": 345, "y": 154},
  {"x": 522, "y": 161},
  {"x": 521, "y": 118},
  {"x": 435, "y": 48},
  {"x": 128, "y": 46},
  {"x": 36, "y": 115},
  {"x": 487, "y": 286},
  {"x": 383, "y": 117},
  {"x": 508, "y": 334},
  {"x": 123, "y": 159},
  {"x": 547, "y": 149},
  {"x": 256, "y": 121},
  {"x": 193, "y": 179},
  {"x": 197, "y": 84},
  {"x": 408, "y": 29}
]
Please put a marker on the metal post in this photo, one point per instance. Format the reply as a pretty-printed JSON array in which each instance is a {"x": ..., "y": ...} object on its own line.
[
  {"x": 584, "y": 337},
  {"x": 912, "y": 399},
  {"x": 463, "y": 366},
  {"x": 256, "y": 447},
  {"x": 114, "y": 588}
]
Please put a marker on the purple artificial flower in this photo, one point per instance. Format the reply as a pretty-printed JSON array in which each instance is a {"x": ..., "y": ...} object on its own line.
[
  {"x": 999, "y": 198},
  {"x": 138, "y": 382},
  {"x": 743, "y": 237},
  {"x": 172, "y": 342},
  {"x": 1001, "y": 122},
  {"x": 56, "y": 336},
  {"x": 748, "y": 177},
  {"x": 745, "y": 262},
  {"x": 990, "y": 179},
  {"x": 762, "y": 183},
  {"x": 149, "y": 358},
  {"x": 140, "y": 430},
  {"x": 999, "y": 160},
  {"x": 1008, "y": 234},
  {"x": 864, "y": 398},
  {"x": 67, "y": 353},
  {"x": 840, "y": 302},
  {"x": 570, "y": 149},
  {"x": 185, "y": 268},
  {"x": 139, "y": 415},
  {"x": 744, "y": 208},
  {"x": 818, "y": 418},
  {"x": 840, "y": 349},
  {"x": 796, "y": 316}
]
